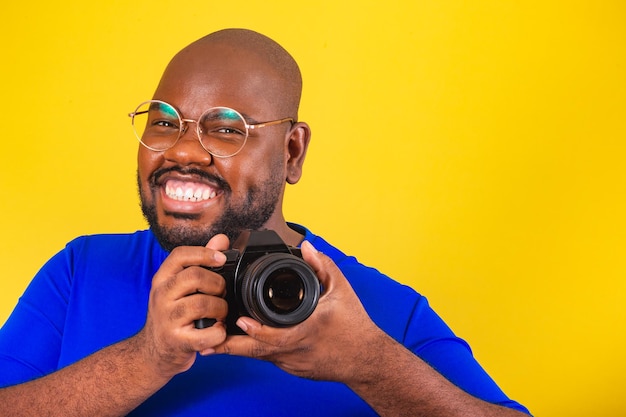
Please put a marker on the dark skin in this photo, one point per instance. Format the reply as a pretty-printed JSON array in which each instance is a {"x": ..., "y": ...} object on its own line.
[{"x": 339, "y": 342}]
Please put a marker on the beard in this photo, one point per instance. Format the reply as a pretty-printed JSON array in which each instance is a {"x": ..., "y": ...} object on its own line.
[{"x": 252, "y": 213}]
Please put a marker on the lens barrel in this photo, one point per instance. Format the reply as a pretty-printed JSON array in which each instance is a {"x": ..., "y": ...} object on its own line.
[{"x": 279, "y": 289}]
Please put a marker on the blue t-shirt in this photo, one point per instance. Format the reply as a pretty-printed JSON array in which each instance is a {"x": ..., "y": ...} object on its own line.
[{"x": 95, "y": 293}]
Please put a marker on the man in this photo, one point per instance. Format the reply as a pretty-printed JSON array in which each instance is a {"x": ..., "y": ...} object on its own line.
[{"x": 107, "y": 327}]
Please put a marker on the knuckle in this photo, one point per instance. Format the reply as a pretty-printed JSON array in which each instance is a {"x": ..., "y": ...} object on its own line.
[
  {"x": 175, "y": 252},
  {"x": 259, "y": 351},
  {"x": 213, "y": 337},
  {"x": 170, "y": 283},
  {"x": 215, "y": 307},
  {"x": 193, "y": 273},
  {"x": 328, "y": 263},
  {"x": 282, "y": 342},
  {"x": 178, "y": 311},
  {"x": 220, "y": 283},
  {"x": 226, "y": 348}
]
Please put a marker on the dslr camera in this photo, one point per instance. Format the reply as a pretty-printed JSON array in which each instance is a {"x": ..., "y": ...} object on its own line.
[{"x": 267, "y": 280}]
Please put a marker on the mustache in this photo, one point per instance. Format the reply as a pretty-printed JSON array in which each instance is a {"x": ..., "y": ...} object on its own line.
[{"x": 219, "y": 181}]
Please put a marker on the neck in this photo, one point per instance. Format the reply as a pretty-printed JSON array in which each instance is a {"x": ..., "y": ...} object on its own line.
[{"x": 286, "y": 233}]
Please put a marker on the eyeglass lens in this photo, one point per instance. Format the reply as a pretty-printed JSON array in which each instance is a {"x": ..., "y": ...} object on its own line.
[{"x": 222, "y": 131}]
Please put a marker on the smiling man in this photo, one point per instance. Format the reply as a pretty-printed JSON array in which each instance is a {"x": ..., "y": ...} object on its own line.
[
  {"x": 108, "y": 326},
  {"x": 243, "y": 184}
]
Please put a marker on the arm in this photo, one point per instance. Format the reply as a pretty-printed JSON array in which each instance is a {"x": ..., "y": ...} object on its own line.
[
  {"x": 339, "y": 342},
  {"x": 111, "y": 382},
  {"x": 116, "y": 379},
  {"x": 399, "y": 383}
]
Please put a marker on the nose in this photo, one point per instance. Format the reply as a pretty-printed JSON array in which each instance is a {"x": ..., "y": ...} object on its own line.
[{"x": 188, "y": 150}]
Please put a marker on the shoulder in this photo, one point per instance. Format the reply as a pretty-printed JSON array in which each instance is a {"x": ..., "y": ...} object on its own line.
[
  {"x": 121, "y": 244},
  {"x": 113, "y": 241},
  {"x": 109, "y": 251}
]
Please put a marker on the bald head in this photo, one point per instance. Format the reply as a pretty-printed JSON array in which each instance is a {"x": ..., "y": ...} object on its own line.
[{"x": 245, "y": 62}]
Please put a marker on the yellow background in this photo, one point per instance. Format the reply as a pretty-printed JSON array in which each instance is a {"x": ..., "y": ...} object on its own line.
[{"x": 472, "y": 149}]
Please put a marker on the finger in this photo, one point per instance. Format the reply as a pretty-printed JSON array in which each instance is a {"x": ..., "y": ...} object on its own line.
[
  {"x": 246, "y": 346},
  {"x": 197, "y": 306},
  {"x": 274, "y": 336},
  {"x": 261, "y": 341},
  {"x": 218, "y": 242},
  {"x": 322, "y": 265},
  {"x": 189, "y": 281},
  {"x": 205, "y": 340},
  {"x": 240, "y": 346},
  {"x": 185, "y": 256}
]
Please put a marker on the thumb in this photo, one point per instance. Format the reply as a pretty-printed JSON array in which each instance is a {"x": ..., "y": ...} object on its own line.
[
  {"x": 218, "y": 242},
  {"x": 322, "y": 265}
]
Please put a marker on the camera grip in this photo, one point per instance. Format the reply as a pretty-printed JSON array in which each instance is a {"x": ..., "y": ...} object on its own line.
[{"x": 204, "y": 323}]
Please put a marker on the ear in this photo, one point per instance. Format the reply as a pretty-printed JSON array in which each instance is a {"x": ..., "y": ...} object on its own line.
[{"x": 297, "y": 144}]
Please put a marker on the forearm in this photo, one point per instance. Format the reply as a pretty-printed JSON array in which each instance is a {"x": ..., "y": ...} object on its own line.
[
  {"x": 111, "y": 382},
  {"x": 399, "y": 383}
]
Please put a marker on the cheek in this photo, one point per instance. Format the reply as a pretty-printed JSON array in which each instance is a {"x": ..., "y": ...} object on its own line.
[
  {"x": 255, "y": 168},
  {"x": 147, "y": 162},
  {"x": 239, "y": 172}
]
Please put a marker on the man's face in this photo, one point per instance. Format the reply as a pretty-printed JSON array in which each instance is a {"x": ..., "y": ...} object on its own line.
[{"x": 187, "y": 195}]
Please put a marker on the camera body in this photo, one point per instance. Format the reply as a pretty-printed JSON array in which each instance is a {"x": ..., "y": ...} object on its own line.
[{"x": 267, "y": 280}]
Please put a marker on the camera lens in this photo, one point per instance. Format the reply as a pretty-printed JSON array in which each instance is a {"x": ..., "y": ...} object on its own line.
[
  {"x": 283, "y": 290},
  {"x": 279, "y": 290}
]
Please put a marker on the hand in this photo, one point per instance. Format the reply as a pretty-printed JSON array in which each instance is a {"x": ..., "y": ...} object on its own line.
[
  {"x": 325, "y": 346},
  {"x": 184, "y": 290}
]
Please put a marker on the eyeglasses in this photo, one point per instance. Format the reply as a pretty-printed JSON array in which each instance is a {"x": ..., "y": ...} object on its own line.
[{"x": 222, "y": 131}]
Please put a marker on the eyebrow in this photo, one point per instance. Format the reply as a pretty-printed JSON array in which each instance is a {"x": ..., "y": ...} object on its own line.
[
  {"x": 246, "y": 117},
  {"x": 249, "y": 119},
  {"x": 166, "y": 108}
]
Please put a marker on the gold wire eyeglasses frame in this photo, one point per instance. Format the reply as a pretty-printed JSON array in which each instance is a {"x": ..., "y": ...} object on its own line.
[{"x": 183, "y": 125}]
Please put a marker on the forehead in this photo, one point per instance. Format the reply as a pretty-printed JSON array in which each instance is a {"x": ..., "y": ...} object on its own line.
[{"x": 205, "y": 76}]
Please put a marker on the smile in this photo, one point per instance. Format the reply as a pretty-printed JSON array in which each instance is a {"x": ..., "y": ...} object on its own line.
[{"x": 188, "y": 191}]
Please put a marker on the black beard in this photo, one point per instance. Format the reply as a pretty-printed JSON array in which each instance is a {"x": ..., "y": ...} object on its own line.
[{"x": 259, "y": 205}]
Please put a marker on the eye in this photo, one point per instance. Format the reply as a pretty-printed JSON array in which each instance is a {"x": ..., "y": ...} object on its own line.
[
  {"x": 229, "y": 131},
  {"x": 222, "y": 126},
  {"x": 165, "y": 123}
]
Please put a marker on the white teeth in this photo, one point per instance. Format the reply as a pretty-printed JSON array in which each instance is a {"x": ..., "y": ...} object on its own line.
[{"x": 189, "y": 194}]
